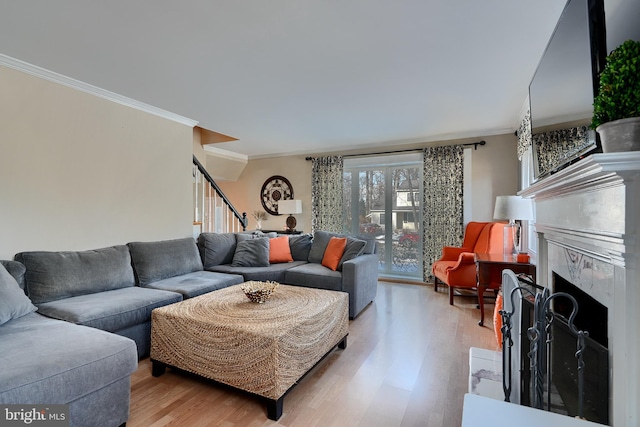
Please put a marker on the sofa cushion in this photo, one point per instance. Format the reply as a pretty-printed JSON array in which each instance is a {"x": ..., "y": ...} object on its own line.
[
  {"x": 371, "y": 243},
  {"x": 279, "y": 250},
  {"x": 197, "y": 283},
  {"x": 50, "y": 361},
  {"x": 314, "y": 275},
  {"x": 320, "y": 242},
  {"x": 273, "y": 272},
  {"x": 300, "y": 246},
  {"x": 251, "y": 253},
  {"x": 216, "y": 248},
  {"x": 53, "y": 276},
  {"x": 13, "y": 301},
  {"x": 353, "y": 248},
  {"x": 17, "y": 270},
  {"x": 248, "y": 235},
  {"x": 110, "y": 310},
  {"x": 153, "y": 261}
]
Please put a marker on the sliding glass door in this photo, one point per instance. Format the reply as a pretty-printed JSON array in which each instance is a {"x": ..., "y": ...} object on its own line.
[{"x": 383, "y": 199}]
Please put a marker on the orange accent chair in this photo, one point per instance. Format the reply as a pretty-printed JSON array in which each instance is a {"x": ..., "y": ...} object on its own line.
[{"x": 457, "y": 268}]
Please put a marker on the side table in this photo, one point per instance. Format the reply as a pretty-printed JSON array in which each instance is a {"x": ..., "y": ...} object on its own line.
[{"x": 489, "y": 273}]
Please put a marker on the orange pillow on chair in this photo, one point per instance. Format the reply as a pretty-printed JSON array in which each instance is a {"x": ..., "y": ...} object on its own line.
[
  {"x": 279, "y": 250},
  {"x": 497, "y": 319},
  {"x": 334, "y": 252}
]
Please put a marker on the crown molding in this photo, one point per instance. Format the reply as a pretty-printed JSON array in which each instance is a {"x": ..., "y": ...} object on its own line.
[{"x": 54, "y": 77}]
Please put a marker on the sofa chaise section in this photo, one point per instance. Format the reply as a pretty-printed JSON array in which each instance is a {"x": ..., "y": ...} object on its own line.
[{"x": 49, "y": 361}]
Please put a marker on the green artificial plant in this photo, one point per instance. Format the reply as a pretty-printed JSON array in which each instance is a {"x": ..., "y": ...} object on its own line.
[{"x": 619, "y": 90}]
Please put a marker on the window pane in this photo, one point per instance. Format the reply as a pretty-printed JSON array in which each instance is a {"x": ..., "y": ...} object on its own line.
[{"x": 385, "y": 201}]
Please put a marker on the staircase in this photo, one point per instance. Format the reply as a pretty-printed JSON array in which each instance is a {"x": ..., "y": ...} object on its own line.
[{"x": 213, "y": 212}]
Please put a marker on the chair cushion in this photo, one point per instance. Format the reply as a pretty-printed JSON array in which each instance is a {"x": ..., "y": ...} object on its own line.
[
  {"x": 153, "y": 261},
  {"x": 53, "y": 276},
  {"x": 110, "y": 310}
]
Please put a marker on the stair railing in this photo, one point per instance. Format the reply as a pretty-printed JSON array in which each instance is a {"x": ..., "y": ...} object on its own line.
[{"x": 213, "y": 211}]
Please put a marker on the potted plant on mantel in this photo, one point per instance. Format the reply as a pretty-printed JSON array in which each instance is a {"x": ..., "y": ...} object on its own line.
[{"x": 616, "y": 108}]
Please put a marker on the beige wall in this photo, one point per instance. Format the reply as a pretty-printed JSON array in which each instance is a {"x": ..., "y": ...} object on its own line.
[
  {"x": 245, "y": 192},
  {"x": 80, "y": 172},
  {"x": 494, "y": 171}
]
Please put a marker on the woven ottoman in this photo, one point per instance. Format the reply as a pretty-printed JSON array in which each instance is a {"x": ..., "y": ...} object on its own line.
[{"x": 263, "y": 349}]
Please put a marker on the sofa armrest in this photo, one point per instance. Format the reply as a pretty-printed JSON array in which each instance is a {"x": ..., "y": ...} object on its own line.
[{"x": 360, "y": 280}]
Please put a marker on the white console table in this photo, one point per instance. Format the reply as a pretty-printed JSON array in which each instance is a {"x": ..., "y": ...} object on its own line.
[{"x": 480, "y": 411}]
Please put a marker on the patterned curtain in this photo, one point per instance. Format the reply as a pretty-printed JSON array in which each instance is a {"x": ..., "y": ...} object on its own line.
[
  {"x": 524, "y": 135},
  {"x": 326, "y": 194},
  {"x": 443, "y": 197}
]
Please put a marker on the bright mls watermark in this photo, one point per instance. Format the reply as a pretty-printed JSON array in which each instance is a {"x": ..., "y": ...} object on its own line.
[{"x": 34, "y": 415}]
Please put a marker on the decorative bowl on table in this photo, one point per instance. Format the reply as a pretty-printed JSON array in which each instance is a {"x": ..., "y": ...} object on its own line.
[{"x": 258, "y": 292}]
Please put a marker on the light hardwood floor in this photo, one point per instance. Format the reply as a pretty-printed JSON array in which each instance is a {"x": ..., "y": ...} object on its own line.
[{"x": 406, "y": 364}]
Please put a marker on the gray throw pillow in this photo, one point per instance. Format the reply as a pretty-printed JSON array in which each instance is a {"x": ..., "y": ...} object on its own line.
[
  {"x": 247, "y": 235},
  {"x": 216, "y": 248},
  {"x": 300, "y": 246},
  {"x": 354, "y": 248},
  {"x": 13, "y": 301},
  {"x": 372, "y": 244},
  {"x": 251, "y": 253}
]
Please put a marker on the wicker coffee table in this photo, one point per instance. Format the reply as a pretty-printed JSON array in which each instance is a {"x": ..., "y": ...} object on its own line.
[{"x": 263, "y": 349}]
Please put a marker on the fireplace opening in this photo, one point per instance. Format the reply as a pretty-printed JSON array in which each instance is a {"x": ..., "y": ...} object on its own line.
[{"x": 591, "y": 317}]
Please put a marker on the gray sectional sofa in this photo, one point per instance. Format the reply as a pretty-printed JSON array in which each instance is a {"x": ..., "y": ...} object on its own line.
[
  {"x": 74, "y": 324},
  {"x": 243, "y": 254}
]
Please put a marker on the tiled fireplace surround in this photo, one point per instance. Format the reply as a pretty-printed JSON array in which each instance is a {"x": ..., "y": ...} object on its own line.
[{"x": 588, "y": 226}]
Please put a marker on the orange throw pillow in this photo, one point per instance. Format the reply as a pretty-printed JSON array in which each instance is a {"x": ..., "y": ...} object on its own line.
[
  {"x": 279, "y": 250},
  {"x": 497, "y": 319},
  {"x": 334, "y": 252}
]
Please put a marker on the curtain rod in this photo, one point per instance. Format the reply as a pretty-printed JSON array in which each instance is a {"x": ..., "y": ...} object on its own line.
[{"x": 475, "y": 147}]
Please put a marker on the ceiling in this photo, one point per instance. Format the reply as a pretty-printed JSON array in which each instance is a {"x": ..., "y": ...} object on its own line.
[{"x": 299, "y": 76}]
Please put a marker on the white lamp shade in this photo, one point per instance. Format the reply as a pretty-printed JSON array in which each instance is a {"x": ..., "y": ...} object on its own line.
[
  {"x": 290, "y": 206},
  {"x": 512, "y": 208}
]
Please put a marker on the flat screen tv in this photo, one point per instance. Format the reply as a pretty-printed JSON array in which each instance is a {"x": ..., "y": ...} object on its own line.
[{"x": 562, "y": 89}]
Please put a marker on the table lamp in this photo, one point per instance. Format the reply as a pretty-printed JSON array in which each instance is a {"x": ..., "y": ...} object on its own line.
[
  {"x": 290, "y": 207},
  {"x": 512, "y": 208}
]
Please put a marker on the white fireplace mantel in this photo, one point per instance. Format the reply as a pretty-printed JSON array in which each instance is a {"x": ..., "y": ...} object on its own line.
[{"x": 592, "y": 208}]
